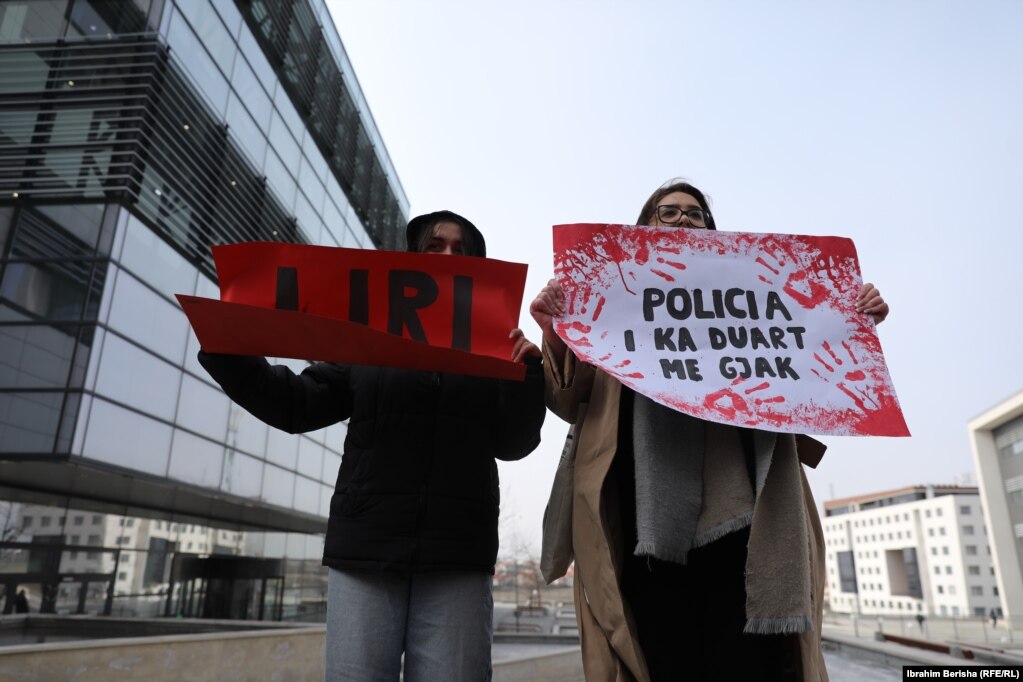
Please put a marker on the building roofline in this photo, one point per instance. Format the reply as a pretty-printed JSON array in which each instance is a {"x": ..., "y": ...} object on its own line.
[{"x": 944, "y": 489}]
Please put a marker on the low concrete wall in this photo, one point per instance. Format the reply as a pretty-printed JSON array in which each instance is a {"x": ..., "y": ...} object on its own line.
[
  {"x": 280, "y": 655},
  {"x": 565, "y": 666}
]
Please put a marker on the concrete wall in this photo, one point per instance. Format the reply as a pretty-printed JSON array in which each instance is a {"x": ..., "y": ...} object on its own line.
[{"x": 277, "y": 655}]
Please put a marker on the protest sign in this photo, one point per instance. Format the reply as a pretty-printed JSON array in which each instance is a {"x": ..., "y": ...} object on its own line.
[
  {"x": 747, "y": 329},
  {"x": 355, "y": 306}
]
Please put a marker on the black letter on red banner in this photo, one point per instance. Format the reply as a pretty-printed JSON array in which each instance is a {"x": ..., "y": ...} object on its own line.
[
  {"x": 461, "y": 324},
  {"x": 287, "y": 289},
  {"x": 358, "y": 296},
  {"x": 401, "y": 309}
]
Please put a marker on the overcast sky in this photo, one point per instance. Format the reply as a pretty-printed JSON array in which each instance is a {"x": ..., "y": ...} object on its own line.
[{"x": 898, "y": 124}]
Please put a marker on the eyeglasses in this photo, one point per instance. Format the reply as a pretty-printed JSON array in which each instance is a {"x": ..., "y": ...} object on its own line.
[{"x": 672, "y": 215}]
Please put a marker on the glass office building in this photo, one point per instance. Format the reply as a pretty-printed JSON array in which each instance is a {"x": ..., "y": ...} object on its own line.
[{"x": 134, "y": 134}]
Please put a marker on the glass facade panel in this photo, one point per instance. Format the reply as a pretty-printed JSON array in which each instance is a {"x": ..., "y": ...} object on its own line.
[
  {"x": 126, "y": 439},
  {"x": 279, "y": 178},
  {"x": 307, "y": 218},
  {"x": 151, "y": 258},
  {"x": 245, "y": 131},
  {"x": 132, "y": 376},
  {"x": 35, "y": 356},
  {"x": 310, "y": 458},
  {"x": 243, "y": 475},
  {"x": 29, "y": 421},
  {"x": 307, "y": 495},
  {"x": 211, "y": 32},
  {"x": 26, "y": 20},
  {"x": 257, "y": 61},
  {"x": 147, "y": 318},
  {"x": 104, "y": 18},
  {"x": 203, "y": 409},
  {"x": 249, "y": 90},
  {"x": 284, "y": 143},
  {"x": 196, "y": 460},
  {"x": 282, "y": 448},
  {"x": 200, "y": 66},
  {"x": 246, "y": 433},
  {"x": 278, "y": 486}
]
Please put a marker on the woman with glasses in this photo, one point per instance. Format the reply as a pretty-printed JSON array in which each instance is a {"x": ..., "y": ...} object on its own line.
[
  {"x": 698, "y": 549},
  {"x": 411, "y": 540}
]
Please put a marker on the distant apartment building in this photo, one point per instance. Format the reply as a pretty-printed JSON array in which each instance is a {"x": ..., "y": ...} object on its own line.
[
  {"x": 997, "y": 438},
  {"x": 915, "y": 550}
]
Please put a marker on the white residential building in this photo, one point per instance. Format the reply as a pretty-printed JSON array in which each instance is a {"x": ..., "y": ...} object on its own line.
[
  {"x": 997, "y": 438},
  {"x": 920, "y": 549}
]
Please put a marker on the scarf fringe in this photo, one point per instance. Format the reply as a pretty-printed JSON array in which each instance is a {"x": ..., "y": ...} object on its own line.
[
  {"x": 720, "y": 531},
  {"x": 648, "y": 548},
  {"x": 792, "y": 625}
]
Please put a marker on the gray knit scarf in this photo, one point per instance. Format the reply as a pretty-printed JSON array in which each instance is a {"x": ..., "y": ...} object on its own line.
[{"x": 693, "y": 487}]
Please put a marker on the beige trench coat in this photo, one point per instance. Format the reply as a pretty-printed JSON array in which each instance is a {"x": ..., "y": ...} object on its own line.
[{"x": 610, "y": 649}]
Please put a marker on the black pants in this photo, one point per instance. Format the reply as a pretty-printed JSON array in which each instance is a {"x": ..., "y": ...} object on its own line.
[{"x": 690, "y": 618}]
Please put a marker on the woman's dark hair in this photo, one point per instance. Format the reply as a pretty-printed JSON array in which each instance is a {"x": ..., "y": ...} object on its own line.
[
  {"x": 420, "y": 231},
  {"x": 646, "y": 214}
]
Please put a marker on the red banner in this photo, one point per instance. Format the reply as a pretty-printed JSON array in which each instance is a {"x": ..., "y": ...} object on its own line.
[{"x": 355, "y": 306}]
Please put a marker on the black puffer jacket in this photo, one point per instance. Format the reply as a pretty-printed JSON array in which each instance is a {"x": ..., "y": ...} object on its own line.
[{"x": 418, "y": 489}]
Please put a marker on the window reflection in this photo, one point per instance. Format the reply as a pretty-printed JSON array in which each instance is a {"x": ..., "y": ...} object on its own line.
[
  {"x": 130, "y": 375},
  {"x": 307, "y": 495},
  {"x": 282, "y": 448},
  {"x": 29, "y": 421},
  {"x": 278, "y": 486},
  {"x": 35, "y": 356},
  {"x": 150, "y": 257},
  {"x": 104, "y": 18},
  {"x": 203, "y": 408},
  {"x": 197, "y": 62},
  {"x": 162, "y": 328},
  {"x": 196, "y": 460},
  {"x": 24, "y": 20},
  {"x": 126, "y": 438},
  {"x": 243, "y": 475},
  {"x": 245, "y": 131},
  {"x": 249, "y": 90},
  {"x": 211, "y": 32},
  {"x": 310, "y": 458}
]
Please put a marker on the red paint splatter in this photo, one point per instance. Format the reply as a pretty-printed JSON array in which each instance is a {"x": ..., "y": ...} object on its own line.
[
  {"x": 605, "y": 358},
  {"x": 634, "y": 375},
  {"x": 718, "y": 401},
  {"x": 849, "y": 350},
  {"x": 671, "y": 263},
  {"x": 859, "y": 403},
  {"x": 766, "y": 265},
  {"x": 624, "y": 363},
  {"x": 663, "y": 275},
  {"x": 818, "y": 293},
  {"x": 580, "y": 327},
  {"x": 826, "y": 365},
  {"x": 826, "y": 346},
  {"x": 643, "y": 255},
  {"x": 600, "y": 307},
  {"x": 858, "y": 375},
  {"x": 761, "y": 387},
  {"x": 775, "y": 399},
  {"x": 765, "y": 280}
]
